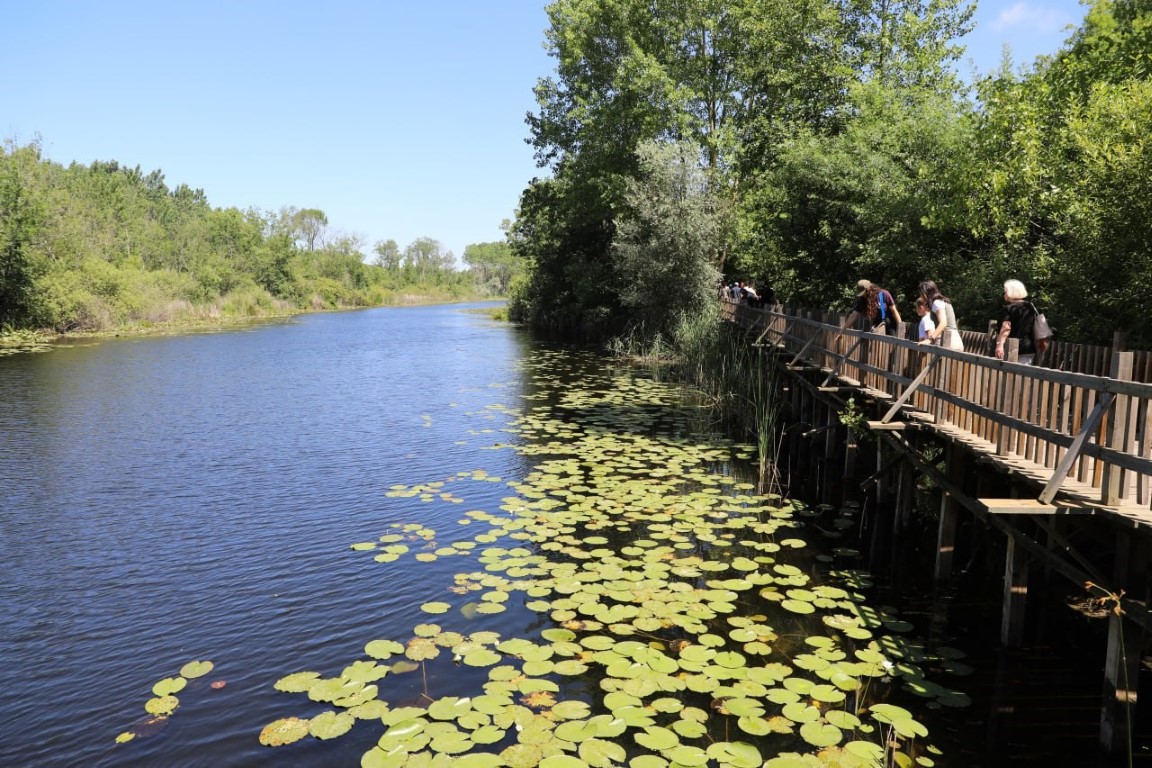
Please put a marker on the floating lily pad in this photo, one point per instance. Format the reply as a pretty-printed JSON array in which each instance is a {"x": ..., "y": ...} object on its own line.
[
  {"x": 284, "y": 731},
  {"x": 194, "y": 669},
  {"x": 168, "y": 686},
  {"x": 329, "y": 725}
]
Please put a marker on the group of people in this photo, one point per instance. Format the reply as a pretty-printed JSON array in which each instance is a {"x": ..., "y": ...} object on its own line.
[
  {"x": 744, "y": 292},
  {"x": 937, "y": 318}
]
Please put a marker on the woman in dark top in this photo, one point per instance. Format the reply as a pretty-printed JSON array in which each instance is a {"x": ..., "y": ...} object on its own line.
[{"x": 1016, "y": 323}]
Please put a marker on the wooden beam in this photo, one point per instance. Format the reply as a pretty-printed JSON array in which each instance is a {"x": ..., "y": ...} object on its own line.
[
  {"x": 843, "y": 359},
  {"x": 907, "y": 393},
  {"x": 1090, "y": 424}
]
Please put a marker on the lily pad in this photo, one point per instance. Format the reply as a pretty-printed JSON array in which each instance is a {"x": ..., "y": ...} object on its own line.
[
  {"x": 284, "y": 731},
  {"x": 194, "y": 669}
]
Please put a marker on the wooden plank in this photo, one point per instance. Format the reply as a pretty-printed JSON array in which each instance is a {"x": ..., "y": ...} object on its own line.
[
  {"x": 1018, "y": 507},
  {"x": 892, "y": 426}
]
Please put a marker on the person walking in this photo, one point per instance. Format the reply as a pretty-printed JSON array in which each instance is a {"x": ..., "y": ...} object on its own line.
[
  {"x": 1017, "y": 322},
  {"x": 946, "y": 332}
]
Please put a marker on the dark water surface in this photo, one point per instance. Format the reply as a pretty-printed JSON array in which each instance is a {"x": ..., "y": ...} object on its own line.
[{"x": 194, "y": 497}]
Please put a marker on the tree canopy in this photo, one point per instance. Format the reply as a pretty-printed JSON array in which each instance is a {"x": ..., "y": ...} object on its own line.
[{"x": 842, "y": 144}]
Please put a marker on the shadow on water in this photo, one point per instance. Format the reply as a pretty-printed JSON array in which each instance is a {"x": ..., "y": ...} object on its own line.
[{"x": 1035, "y": 706}]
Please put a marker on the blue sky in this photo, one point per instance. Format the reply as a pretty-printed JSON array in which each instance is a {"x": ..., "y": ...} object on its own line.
[{"x": 399, "y": 120}]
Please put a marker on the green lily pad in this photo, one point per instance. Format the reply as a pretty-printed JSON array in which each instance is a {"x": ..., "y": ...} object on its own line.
[
  {"x": 284, "y": 731},
  {"x": 329, "y": 725},
  {"x": 194, "y": 669},
  {"x": 161, "y": 705},
  {"x": 436, "y": 607},
  {"x": 168, "y": 686},
  {"x": 820, "y": 734}
]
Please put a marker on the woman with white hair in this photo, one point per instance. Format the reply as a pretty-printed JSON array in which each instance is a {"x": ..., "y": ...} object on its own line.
[{"x": 1017, "y": 321}]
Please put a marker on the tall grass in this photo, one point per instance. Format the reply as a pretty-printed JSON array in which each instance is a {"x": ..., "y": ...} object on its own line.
[{"x": 740, "y": 379}]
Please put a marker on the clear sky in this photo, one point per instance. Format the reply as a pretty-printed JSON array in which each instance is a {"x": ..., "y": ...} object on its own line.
[{"x": 398, "y": 119}]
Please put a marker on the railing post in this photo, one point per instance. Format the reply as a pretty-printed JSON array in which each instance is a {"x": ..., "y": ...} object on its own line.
[{"x": 1112, "y": 483}]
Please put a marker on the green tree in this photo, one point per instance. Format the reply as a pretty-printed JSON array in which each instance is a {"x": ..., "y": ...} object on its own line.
[
  {"x": 664, "y": 242},
  {"x": 388, "y": 255},
  {"x": 494, "y": 265},
  {"x": 21, "y": 220}
]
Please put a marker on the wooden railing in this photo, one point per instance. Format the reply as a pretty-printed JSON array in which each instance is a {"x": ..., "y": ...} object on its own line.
[{"x": 1081, "y": 435}]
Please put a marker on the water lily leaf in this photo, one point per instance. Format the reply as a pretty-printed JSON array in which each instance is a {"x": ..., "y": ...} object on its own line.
[
  {"x": 369, "y": 710},
  {"x": 364, "y": 672},
  {"x": 688, "y": 756},
  {"x": 364, "y": 545},
  {"x": 522, "y": 756},
  {"x": 797, "y": 606},
  {"x": 571, "y": 710},
  {"x": 743, "y": 708},
  {"x": 800, "y": 712},
  {"x": 168, "y": 686},
  {"x": 125, "y": 737},
  {"x": 866, "y": 750},
  {"x": 194, "y": 669},
  {"x": 482, "y": 657},
  {"x": 435, "y": 607},
  {"x": 827, "y": 694},
  {"x": 841, "y": 719},
  {"x": 298, "y": 682},
  {"x": 562, "y": 761},
  {"x": 657, "y": 738},
  {"x": 383, "y": 649},
  {"x": 161, "y": 705},
  {"x": 449, "y": 708},
  {"x": 284, "y": 731},
  {"x": 570, "y": 667},
  {"x": 820, "y": 734},
  {"x": 602, "y": 754},
  {"x": 329, "y": 725},
  {"x": 490, "y": 608},
  {"x": 364, "y": 695},
  {"x": 421, "y": 649},
  {"x": 739, "y": 754},
  {"x": 753, "y": 726},
  {"x": 332, "y": 689},
  {"x": 647, "y": 761}
]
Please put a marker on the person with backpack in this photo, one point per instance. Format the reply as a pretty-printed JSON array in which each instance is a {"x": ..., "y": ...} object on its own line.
[
  {"x": 1019, "y": 322},
  {"x": 876, "y": 304}
]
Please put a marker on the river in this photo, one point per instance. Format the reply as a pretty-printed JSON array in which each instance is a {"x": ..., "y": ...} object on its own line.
[{"x": 230, "y": 497}]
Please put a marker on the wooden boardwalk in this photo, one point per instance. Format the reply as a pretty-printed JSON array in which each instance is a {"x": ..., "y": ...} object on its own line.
[
  {"x": 1086, "y": 438},
  {"x": 1070, "y": 439}
]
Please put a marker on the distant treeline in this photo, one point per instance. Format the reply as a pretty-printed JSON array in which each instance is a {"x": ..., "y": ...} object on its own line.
[
  {"x": 806, "y": 144},
  {"x": 105, "y": 246}
]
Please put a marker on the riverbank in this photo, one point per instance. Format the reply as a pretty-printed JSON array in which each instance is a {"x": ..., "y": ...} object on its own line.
[{"x": 208, "y": 322}]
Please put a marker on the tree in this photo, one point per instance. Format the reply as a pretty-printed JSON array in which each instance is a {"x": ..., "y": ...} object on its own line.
[
  {"x": 308, "y": 226},
  {"x": 387, "y": 255},
  {"x": 663, "y": 243},
  {"x": 20, "y": 223},
  {"x": 495, "y": 265}
]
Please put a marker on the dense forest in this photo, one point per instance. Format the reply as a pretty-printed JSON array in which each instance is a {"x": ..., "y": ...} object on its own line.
[
  {"x": 107, "y": 247},
  {"x": 808, "y": 143}
]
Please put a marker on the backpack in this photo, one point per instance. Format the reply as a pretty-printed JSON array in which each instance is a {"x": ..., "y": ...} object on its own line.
[{"x": 885, "y": 317}]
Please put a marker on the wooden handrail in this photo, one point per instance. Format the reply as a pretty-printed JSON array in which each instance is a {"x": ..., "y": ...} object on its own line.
[{"x": 1083, "y": 433}]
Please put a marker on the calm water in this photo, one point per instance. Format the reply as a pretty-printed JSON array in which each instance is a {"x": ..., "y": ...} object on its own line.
[{"x": 195, "y": 497}]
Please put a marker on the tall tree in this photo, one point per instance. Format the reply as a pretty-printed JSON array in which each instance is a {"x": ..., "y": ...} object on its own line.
[{"x": 21, "y": 218}]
